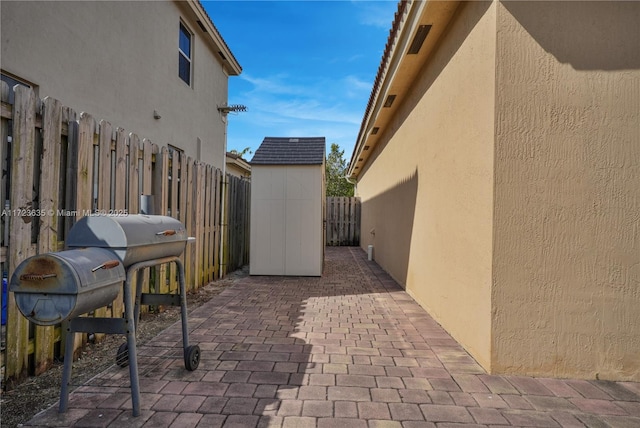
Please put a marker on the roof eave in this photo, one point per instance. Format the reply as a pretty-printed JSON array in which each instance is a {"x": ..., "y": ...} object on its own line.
[
  {"x": 229, "y": 61},
  {"x": 398, "y": 70},
  {"x": 238, "y": 161}
]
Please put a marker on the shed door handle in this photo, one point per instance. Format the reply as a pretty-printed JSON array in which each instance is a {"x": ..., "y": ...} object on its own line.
[
  {"x": 36, "y": 276},
  {"x": 168, "y": 232},
  {"x": 107, "y": 265}
]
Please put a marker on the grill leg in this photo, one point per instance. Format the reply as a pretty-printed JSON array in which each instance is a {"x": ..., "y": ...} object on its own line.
[
  {"x": 136, "y": 308},
  {"x": 66, "y": 369},
  {"x": 183, "y": 305},
  {"x": 131, "y": 345}
]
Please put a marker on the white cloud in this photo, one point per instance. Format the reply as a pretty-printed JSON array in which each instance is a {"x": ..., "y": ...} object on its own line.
[{"x": 376, "y": 13}]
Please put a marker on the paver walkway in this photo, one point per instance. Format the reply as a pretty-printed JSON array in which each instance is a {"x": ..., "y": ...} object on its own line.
[{"x": 350, "y": 349}]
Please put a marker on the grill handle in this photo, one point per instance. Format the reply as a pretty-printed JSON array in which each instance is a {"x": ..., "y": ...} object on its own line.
[
  {"x": 168, "y": 232},
  {"x": 36, "y": 276},
  {"x": 107, "y": 265}
]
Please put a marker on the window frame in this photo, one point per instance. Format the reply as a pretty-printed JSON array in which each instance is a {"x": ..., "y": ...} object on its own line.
[{"x": 184, "y": 29}]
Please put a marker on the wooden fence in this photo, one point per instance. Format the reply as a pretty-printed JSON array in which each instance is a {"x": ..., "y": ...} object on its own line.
[
  {"x": 343, "y": 221},
  {"x": 61, "y": 166}
]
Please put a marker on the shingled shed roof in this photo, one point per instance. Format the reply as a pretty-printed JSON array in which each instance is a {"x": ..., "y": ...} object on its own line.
[{"x": 290, "y": 151}]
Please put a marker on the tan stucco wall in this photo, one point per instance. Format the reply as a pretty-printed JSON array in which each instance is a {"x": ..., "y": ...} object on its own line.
[
  {"x": 428, "y": 194},
  {"x": 119, "y": 62},
  {"x": 566, "y": 292}
]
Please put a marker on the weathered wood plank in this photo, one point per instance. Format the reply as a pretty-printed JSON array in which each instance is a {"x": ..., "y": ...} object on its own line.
[
  {"x": 48, "y": 236},
  {"x": 103, "y": 198},
  {"x": 147, "y": 166},
  {"x": 160, "y": 181},
  {"x": 134, "y": 174},
  {"x": 208, "y": 245},
  {"x": 199, "y": 206},
  {"x": 175, "y": 166},
  {"x": 84, "y": 173},
  {"x": 71, "y": 155},
  {"x": 120, "y": 185},
  {"x": 216, "y": 222},
  {"x": 160, "y": 186},
  {"x": 84, "y": 180},
  {"x": 21, "y": 197},
  {"x": 120, "y": 198},
  {"x": 104, "y": 169},
  {"x": 189, "y": 224},
  {"x": 147, "y": 174},
  {"x": 4, "y": 146}
]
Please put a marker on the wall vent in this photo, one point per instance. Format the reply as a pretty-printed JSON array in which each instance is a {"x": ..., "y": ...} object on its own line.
[
  {"x": 389, "y": 101},
  {"x": 418, "y": 39}
]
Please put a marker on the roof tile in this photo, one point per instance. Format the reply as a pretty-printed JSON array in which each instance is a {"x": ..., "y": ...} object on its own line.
[{"x": 290, "y": 151}]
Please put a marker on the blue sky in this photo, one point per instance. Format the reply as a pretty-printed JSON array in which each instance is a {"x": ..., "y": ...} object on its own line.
[{"x": 308, "y": 66}]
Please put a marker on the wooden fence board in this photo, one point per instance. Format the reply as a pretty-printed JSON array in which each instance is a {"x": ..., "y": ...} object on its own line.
[
  {"x": 216, "y": 223},
  {"x": 175, "y": 165},
  {"x": 44, "y": 337},
  {"x": 120, "y": 195},
  {"x": 84, "y": 173},
  {"x": 134, "y": 175},
  {"x": 189, "y": 219},
  {"x": 199, "y": 206},
  {"x": 183, "y": 211},
  {"x": 146, "y": 172},
  {"x": 23, "y": 151},
  {"x": 4, "y": 136},
  {"x": 84, "y": 182},
  {"x": 207, "y": 224},
  {"x": 160, "y": 191},
  {"x": 104, "y": 167}
]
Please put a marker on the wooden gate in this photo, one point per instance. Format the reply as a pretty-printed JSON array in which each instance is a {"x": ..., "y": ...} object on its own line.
[{"x": 343, "y": 221}]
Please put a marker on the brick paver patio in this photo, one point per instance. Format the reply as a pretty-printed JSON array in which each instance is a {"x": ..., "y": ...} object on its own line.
[{"x": 350, "y": 349}]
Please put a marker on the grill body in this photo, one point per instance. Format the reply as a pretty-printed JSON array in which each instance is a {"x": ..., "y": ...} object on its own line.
[
  {"x": 52, "y": 287},
  {"x": 133, "y": 238}
]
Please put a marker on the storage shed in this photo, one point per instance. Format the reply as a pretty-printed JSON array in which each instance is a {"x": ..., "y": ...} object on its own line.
[{"x": 287, "y": 207}]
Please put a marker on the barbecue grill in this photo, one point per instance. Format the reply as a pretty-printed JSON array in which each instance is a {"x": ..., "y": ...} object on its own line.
[{"x": 104, "y": 251}]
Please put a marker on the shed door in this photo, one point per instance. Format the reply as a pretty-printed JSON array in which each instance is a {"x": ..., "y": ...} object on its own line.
[
  {"x": 267, "y": 221},
  {"x": 303, "y": 211}
]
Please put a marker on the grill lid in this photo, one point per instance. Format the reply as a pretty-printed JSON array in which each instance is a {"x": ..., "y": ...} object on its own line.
[
  {"x": 133, "y": 238},
  {"x": 113, "y": 231}
]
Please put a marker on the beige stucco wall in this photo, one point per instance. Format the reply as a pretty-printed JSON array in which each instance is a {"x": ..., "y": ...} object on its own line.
[
  {"x": 428, "y": 194},
  {"x": 566, "y": 293},
  {"x": 119, "y": 62}
]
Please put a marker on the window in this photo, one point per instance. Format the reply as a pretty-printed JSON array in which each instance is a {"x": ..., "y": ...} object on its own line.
[
  {"x": 184, "y": 55},
  {"x": 12, "y": 82}
]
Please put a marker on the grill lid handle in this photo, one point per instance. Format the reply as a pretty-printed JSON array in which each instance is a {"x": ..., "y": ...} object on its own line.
[
  {"x": 36, "y": 276},
  {"x": 107, "y": 265},
  {"x": 167, "y": 232}
]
